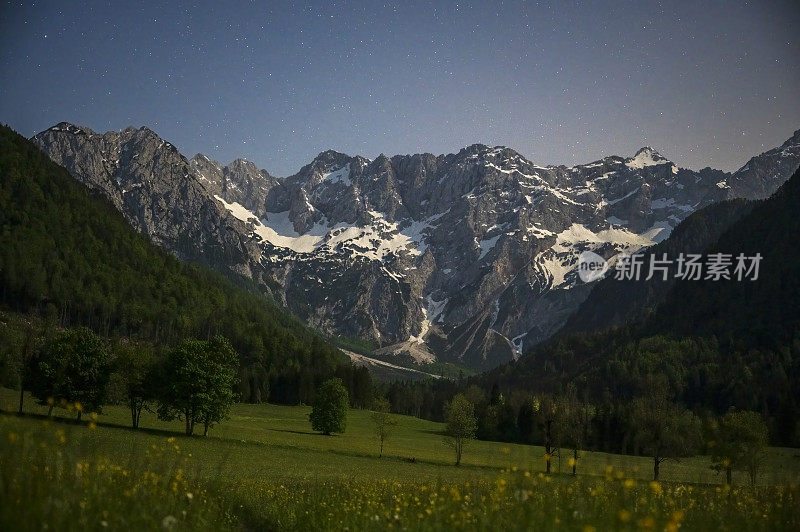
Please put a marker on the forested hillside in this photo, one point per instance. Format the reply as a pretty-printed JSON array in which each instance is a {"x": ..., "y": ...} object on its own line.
[
  {"x": 68, "y": 257},
  {"x": 747, "y": 315}
]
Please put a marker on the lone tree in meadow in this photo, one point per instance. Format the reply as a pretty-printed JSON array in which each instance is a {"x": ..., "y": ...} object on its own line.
[
  {"x": 135, "y": 377},
  {"x": 382, "y": 420},
  {"x": 72, "y": 370},
  {"x": 663, "y": 429},
  {"x": 578, "y": 416},
  {"x": 549, "y": 412},
  {"x": 222, "y": 364},
  {"x": 329, "y": 412},
  {"x": 197, "y": 380},
  {"x": 460, "y": 424},
  {"x": 738, "y": 442},
  {"x": 17, "y": 348}
]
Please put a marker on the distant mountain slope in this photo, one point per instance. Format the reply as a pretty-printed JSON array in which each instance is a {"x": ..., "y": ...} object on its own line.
[
  {"x": 760, "y": 314},
  {"x": 763, "y": 174},
  {"x": 67, "y": 253},
  {"x": 468, "y": 257}
]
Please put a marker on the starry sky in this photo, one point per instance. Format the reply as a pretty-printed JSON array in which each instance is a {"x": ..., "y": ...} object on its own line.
[{"x": 705, "y": 83}]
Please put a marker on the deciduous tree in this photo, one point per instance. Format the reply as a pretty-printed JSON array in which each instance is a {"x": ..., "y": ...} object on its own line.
[
  {"x": 460, "y": 424},
  {"x": 329, "y": 412},
  {"x": 197, "y": 380},
  {"x": 578, "y": 416},
  {"x": 663, "y": 429},
  {"x": 220, "y": 381},
  {"x": 549, "y": 412},
  {"x": 382, "y": 420},
  {"x": 72, "y": 369},
  {"x": 134, "y": 378},
  {"x": 738, "y": 442}
]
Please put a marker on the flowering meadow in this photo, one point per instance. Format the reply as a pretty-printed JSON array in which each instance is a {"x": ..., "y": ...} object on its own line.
[
  {"x": 519, "y": 500},
  {"x": 94, "y": 475}
]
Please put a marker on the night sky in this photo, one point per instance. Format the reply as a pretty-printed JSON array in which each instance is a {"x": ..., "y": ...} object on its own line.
[{"x": 705, "y": 83}]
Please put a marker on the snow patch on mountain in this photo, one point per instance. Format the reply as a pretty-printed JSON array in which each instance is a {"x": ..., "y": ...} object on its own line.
[
  {"x": 238, "y": 211},
  {"x": 339, "y": 175},
  {"x": 487, "y": 245},
  {"x": 374, "y": 241},
  {"x": 432, "y": 312},
  {"x": 280, "y": 230},
  {"x": 559, "y": 263},
  {"x": 580, "y": 234}
]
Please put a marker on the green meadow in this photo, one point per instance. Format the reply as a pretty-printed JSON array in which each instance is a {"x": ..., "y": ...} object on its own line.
[{"x": 265, "y": 469}]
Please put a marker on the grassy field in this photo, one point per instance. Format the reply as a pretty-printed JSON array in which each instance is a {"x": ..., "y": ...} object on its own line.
[{"x": 264, "y": 468}]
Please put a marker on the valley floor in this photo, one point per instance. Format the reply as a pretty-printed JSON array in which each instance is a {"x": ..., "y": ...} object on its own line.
[{"x": 265, "y": 468}]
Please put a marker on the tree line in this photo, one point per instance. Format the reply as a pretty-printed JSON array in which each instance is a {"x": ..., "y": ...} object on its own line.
[
  {"x": 194, "y": 382},
  {"x": 563, "y": 424},
  {"x": 78, "y": 371},
  {"x": 610, "y": 369}
]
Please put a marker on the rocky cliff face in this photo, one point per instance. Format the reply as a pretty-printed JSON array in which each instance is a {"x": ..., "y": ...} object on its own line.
[
  {"x": 158, "y": 191},
  {"x": 464, "y": 257},
  {"x": 239, "y": 182}
]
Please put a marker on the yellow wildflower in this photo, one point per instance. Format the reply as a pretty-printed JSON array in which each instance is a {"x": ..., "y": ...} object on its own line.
[{"x": 647, "y": 522}]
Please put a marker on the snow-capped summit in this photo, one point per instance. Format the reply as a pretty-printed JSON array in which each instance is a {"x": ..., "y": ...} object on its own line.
[{"x": 646, "y": 156}]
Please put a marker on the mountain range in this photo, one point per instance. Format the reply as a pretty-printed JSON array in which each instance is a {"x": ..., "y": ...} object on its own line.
[{"x": 468, "y": 257}]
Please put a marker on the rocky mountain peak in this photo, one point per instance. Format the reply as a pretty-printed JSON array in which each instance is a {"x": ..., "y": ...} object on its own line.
[
  {"x": 764, "y": 173},
  {"x": 246, "y": 170},
  {"x": 158, "y": 191},
  {"x": 239, "y": 182},
  {"x": 381, "y": 160},
  {"x": 646, "y": 156},
  {"x": 329, "y": 157},
  {"x": 474, "y": 149},
  {"x": 645, "y": 150},
  {"x": 133, "y": 131},
  {"x": 68, "y": 127},
  {"x": 201, "y": 158}
]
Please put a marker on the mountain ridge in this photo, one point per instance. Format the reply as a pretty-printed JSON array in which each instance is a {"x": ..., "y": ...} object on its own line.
[{"x": 469, "y": 256}]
